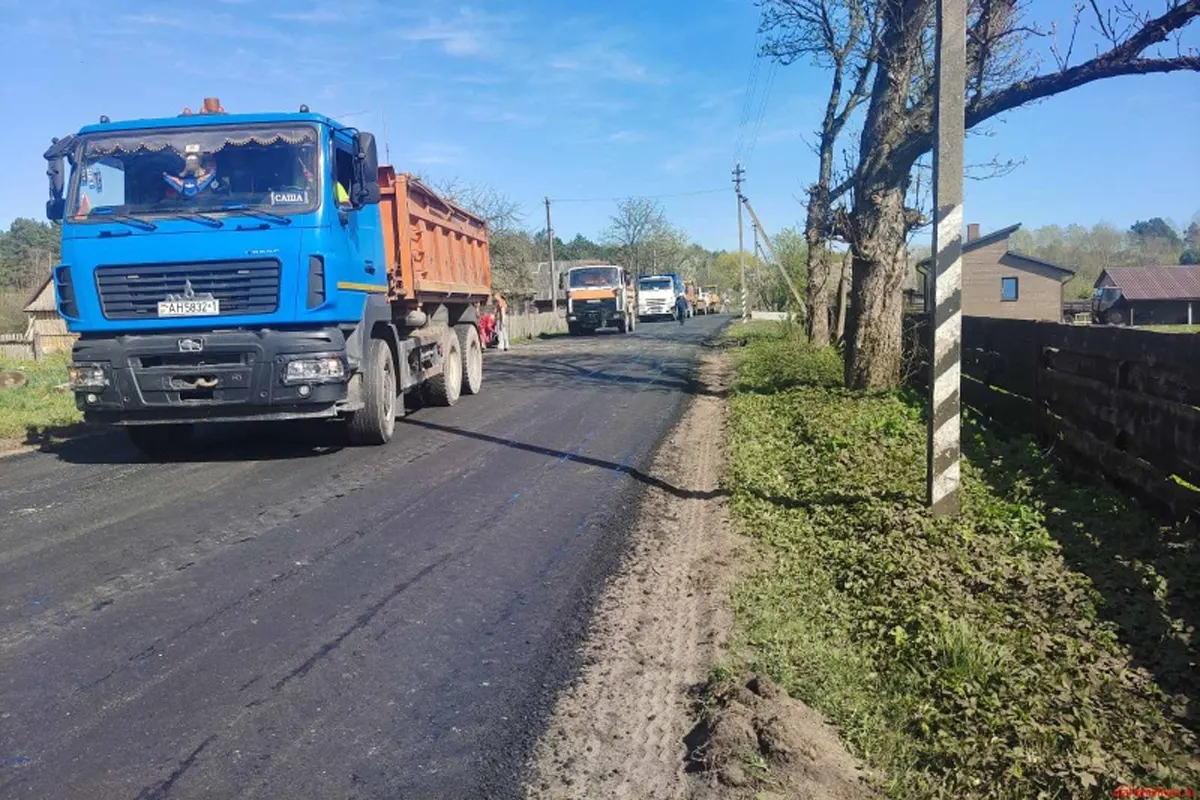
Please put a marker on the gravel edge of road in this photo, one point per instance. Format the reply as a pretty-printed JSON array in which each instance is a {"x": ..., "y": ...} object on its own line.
[{"x": 618, "y": 730}]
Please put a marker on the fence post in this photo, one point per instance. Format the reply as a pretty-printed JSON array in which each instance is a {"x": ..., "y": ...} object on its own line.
[{"x": 37, "y": 346}]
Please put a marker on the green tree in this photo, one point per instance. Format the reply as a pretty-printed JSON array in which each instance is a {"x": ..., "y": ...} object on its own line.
[
  {"x": 1155, "y": 228},
  {"x": 27, "y": 252},
  {"x": 1191, "y": 244}
]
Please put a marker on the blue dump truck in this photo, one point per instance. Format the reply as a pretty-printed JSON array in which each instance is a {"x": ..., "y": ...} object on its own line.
[{"x": 239, "y": 267}]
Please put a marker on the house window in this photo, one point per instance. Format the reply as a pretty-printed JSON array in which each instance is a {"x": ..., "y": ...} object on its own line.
[{"x": 1008, "y": 290}]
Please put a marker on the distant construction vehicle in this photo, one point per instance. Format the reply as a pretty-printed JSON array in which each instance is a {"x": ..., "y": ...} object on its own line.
[{"x": 600, "y": 296}]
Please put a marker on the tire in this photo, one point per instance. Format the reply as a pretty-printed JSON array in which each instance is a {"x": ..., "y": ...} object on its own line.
[
  {"x": 468, "y": 341},
  {"x": 1114, "y": 317},
  {"x": 160, "y": 442},
  {"x": 622, "y": 325},
  {"x": 444, "y": 390},
  {"x": 375, "y": 422},
  {"x": 572, "y": 329}
]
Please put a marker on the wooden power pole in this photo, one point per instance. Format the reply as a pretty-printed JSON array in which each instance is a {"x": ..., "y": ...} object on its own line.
[
  {"x": 553, "y": 269},
  {"x": 737, "y": 183},
  {"x": 943, "y": 454},
  {"x": 771, "y": 251}
]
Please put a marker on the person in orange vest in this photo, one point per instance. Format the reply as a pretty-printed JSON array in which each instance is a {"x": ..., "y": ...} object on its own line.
[{"x": 501, "y": 320}]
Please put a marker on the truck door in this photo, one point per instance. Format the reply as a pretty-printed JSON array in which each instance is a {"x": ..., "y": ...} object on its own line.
[{"x": 353, "y": 251}]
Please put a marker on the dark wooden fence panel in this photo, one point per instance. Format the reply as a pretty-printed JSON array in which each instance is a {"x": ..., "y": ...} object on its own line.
[{"x": 1124, "y": 402}]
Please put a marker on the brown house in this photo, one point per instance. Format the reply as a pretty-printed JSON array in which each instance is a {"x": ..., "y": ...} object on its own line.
[{"x": 997, "y": 281}]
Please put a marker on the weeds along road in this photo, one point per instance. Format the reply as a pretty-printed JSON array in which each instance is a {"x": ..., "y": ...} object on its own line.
[{"x": 277, "y": 617}]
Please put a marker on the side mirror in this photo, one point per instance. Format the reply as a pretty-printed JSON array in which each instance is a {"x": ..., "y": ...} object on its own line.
[
  {"x": 54, "y": 155},
  {"x": 56, "y": 207},
  {"x": 366, "y": 169}
]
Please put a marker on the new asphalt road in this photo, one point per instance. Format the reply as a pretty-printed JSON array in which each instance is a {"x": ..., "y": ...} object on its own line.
[{"x": 274, "y": 616}]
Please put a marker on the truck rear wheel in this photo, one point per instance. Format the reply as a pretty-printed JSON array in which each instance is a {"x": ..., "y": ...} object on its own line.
[
  {"x": 375, "y": 422},
  {"x": 159, "y": 442},
  {"x": 468, "y": 341},
  {"x": 444, "y": 389}
]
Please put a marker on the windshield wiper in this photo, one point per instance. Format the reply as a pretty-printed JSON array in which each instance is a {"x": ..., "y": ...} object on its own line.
[
  {"x": 128, "y": 219},
  {"x": 212, "y": 222},
  {"x": 256, "y": 212}
]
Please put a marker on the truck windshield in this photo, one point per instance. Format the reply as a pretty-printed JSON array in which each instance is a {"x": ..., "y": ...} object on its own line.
[
  {"x": 183, "y": 172},
  {"x": 594, "y": 276},
  {"x": 654, "y": 284}
]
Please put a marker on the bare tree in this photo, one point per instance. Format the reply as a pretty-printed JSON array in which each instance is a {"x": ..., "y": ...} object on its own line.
[
  {"x": 898, "y": 130},
  {"x": 510, "y": 247},
  {"x": 839, "y": 35},
  {"x": 635, "y": 224}
]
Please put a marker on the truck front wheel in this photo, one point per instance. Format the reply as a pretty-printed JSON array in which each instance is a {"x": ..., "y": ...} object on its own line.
[
  {"x": 159, "y": 442},
  {"x": 375, "y": 422},
  {"x": 444, "y": 389},
  {"x": 468, "y": 341}
]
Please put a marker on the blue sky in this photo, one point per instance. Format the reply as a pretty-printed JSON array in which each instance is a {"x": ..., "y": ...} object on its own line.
[{"x": 568, "y": 99}]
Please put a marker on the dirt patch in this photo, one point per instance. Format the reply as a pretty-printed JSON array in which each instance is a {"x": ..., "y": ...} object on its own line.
[
  {"x": 753, "y": 741},
  {"x": 618, "y": 731},
  {"x": 641, "y": 721}
]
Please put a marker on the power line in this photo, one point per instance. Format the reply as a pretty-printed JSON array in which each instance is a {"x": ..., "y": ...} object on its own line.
[
  {"x": 762, "y": 109},
  {"x": 634, "y": 197},
  {"x": 748, "y": 97}
]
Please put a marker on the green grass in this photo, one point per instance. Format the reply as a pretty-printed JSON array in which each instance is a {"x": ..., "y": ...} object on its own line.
[
  {"x": 1171, "y": 328},
  {"x": 34, "y": 410},
  {"x": 1042, "y": 644}
]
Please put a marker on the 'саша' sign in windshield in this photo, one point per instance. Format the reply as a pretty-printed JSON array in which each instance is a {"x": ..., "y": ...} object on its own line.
[{"x": 185, "y": 171}]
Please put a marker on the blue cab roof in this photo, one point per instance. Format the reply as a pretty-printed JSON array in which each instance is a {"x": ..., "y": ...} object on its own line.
[{"x": 207, "y": 120}]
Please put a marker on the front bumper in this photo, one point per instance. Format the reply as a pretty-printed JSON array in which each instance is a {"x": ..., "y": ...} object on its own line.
[
  {"x": 589, "y": 315},
  {"x": 208, "y": 377}
]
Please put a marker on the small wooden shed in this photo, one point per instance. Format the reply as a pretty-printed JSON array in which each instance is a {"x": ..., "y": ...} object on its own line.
[{"x": 46, "y": 329}]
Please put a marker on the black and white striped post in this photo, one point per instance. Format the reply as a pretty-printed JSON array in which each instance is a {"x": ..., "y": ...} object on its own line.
[{"x": 945, "y": 352}]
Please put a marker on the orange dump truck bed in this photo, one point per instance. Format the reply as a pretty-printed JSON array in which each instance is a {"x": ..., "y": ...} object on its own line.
[{"x": 437, "y": 251}]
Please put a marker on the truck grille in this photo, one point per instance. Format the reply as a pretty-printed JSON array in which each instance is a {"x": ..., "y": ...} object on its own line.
[{"x": 243, "y": 287}]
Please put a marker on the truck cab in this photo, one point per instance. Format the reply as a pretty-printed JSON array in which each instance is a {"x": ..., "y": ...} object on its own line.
[
  {"x": 657, "y": 295},
  {"x": 223, "y": 267},
  {"x": 599, "y": 296}
]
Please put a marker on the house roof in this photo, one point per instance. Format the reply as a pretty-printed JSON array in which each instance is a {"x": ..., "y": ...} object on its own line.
[
  {"x": 1155, "y": 282},
  {"x": 977, "y": 242},
  {"x": 992, "y": 238},
  {"x": 1041, "y": 262},
  {"x": 42, "y": 299}
]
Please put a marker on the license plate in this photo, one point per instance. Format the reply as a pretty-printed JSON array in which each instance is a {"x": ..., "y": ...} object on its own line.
[{"x": 189, "y": 308}]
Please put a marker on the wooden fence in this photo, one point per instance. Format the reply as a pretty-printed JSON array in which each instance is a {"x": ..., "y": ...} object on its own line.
[
  {"x": 531, "y": 326},
  {"x": 24, "y": 347},
  {"x": 1122, "y": 402}
]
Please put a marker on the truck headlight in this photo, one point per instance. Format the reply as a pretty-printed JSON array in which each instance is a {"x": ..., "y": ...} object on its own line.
[
  {"x": 314, "y": 370},
  {"x": 87, "y": 375}
]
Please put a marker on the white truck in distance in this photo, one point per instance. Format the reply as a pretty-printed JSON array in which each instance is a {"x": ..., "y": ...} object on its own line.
[{"x": 656, "y": 295}]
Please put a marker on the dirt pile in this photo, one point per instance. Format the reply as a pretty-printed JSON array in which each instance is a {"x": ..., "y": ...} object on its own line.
[{"x": 753, "y": 741}]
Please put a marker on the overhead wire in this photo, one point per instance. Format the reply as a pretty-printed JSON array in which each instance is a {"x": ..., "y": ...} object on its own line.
[
  {"x": 722, "y": 190},
  {"x": 748, "y": 96},
  {"x": 762, "y": 109}
]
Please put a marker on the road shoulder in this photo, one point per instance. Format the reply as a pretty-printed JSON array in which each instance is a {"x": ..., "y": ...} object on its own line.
[{"x": 618, "y": 730}]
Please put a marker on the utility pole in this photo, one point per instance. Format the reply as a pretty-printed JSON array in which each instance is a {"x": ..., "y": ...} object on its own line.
[
  {"x": 737, "y": 183},
  {"x": 553, "y": 269},
  {"x": 943, "y": 451},
  {"x": 767, "y": 246}
]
